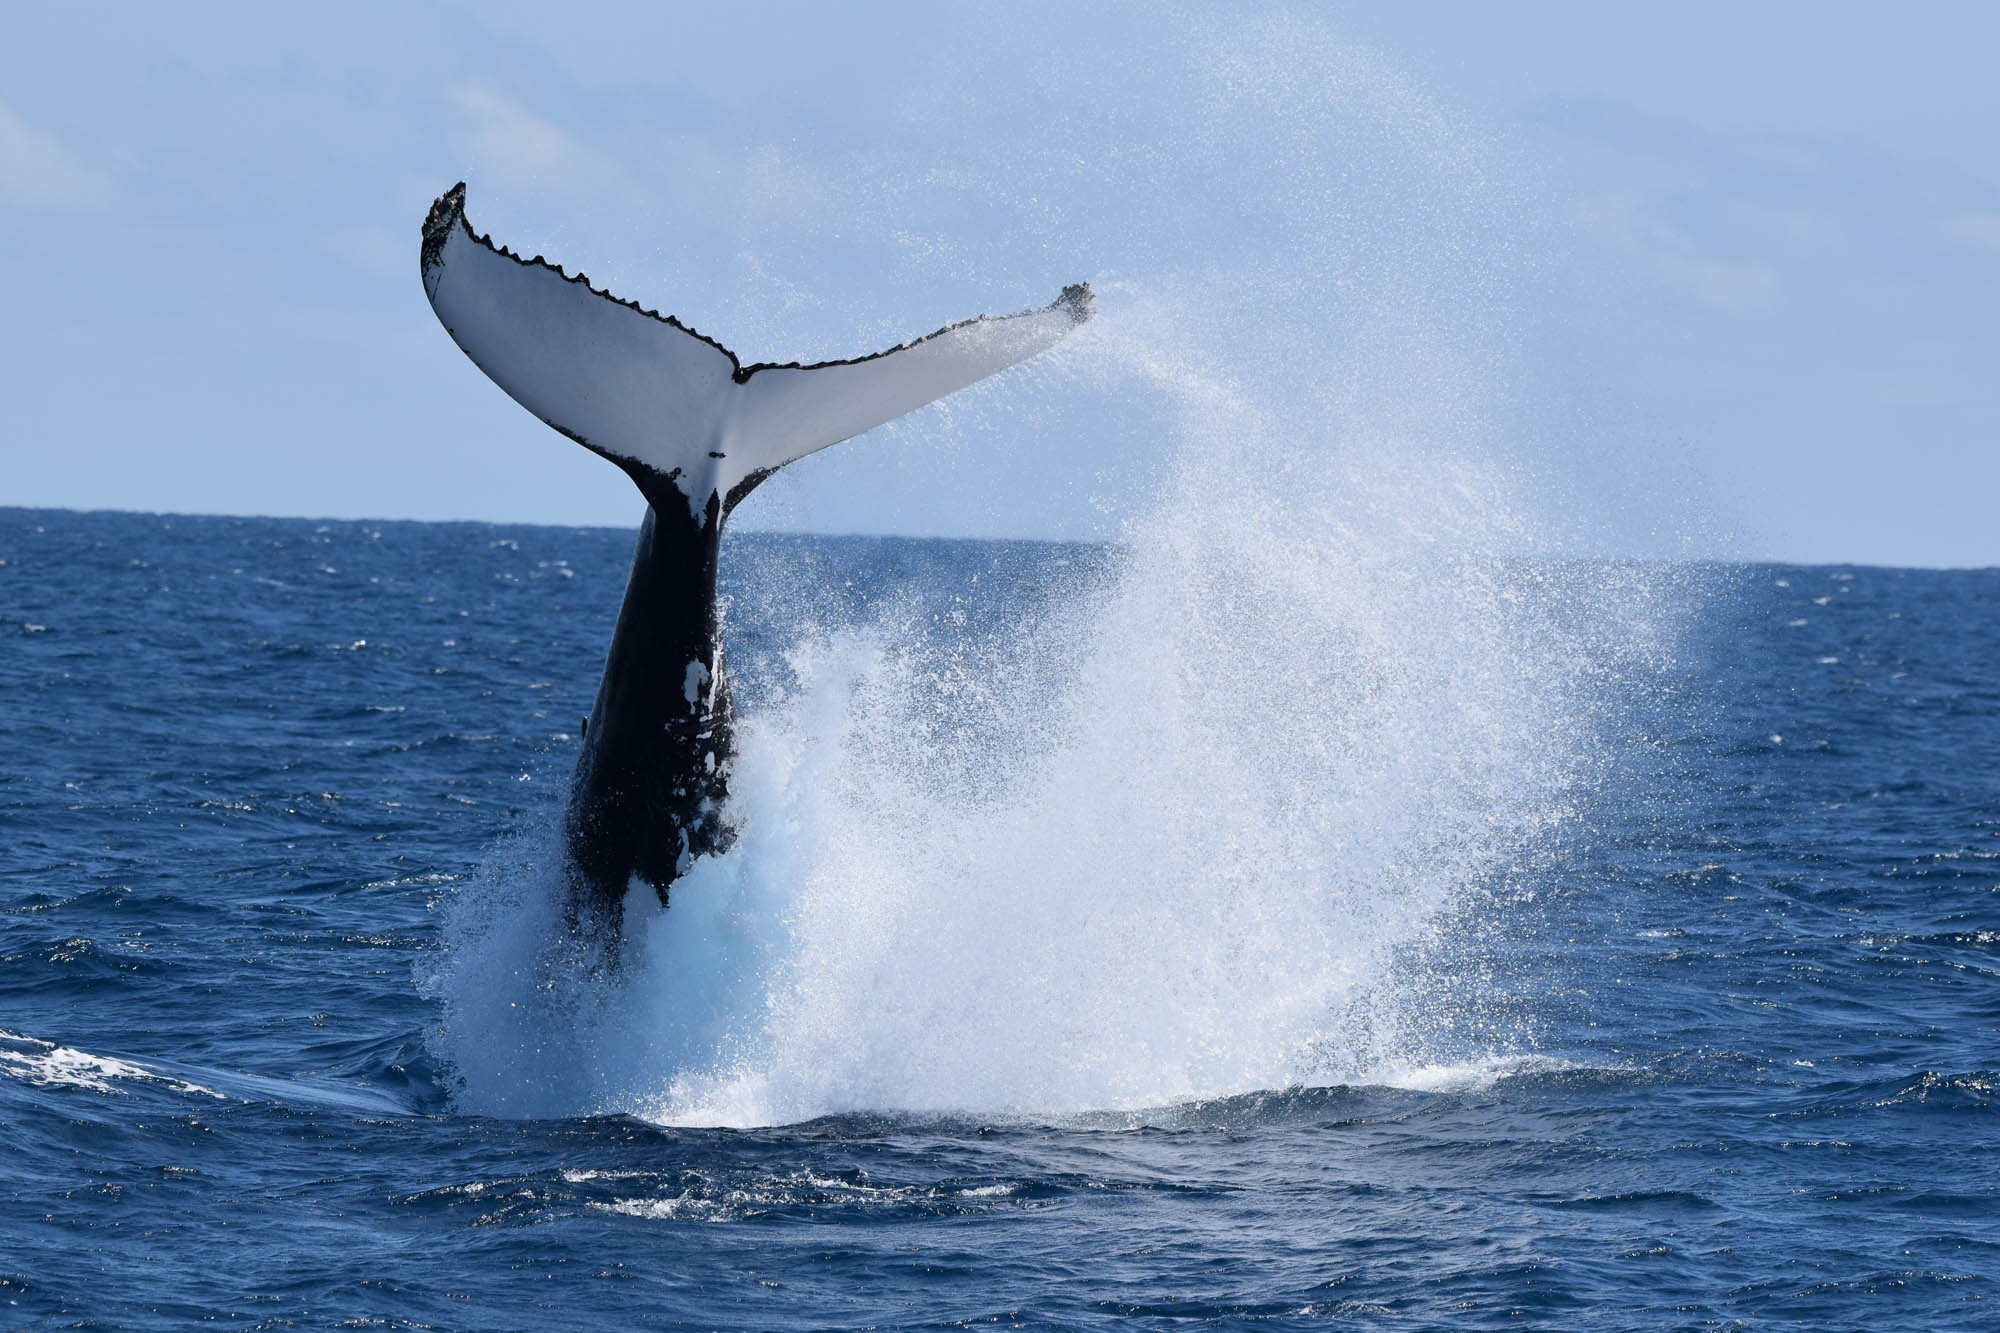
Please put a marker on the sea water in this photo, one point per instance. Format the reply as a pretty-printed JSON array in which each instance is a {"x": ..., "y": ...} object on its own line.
[{"x": 1459, "y": 940}]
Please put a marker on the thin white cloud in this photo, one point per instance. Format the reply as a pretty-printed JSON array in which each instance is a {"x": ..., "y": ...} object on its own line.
[
  {"x": 1625, "y": 221},
  {"x": 35, "y": 169},
  {"x": 1734, "y": 286},
  {"x": 521, "y": 148},
  {"x": 1981, "y": 229}
]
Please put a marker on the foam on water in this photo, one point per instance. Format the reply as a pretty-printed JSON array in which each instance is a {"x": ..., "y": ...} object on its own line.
[
  {"x": 50, "y": 1065},
  {"x": 1181, "y": 833}
]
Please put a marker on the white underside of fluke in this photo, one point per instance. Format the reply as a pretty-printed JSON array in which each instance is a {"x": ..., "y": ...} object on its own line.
[{"x": 641, "y": 387}]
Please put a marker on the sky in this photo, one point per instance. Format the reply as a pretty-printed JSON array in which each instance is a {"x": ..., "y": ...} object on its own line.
[{"x": 1727, "y": 273}]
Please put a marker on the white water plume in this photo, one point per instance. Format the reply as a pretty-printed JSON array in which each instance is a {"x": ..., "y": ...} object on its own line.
[{"x": 1169, "y": 839}]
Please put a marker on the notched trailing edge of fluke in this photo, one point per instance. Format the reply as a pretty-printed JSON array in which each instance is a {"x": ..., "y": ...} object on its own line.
[
  {"x": 449, "y": 208},
  {"x": 650, "y": 793}
]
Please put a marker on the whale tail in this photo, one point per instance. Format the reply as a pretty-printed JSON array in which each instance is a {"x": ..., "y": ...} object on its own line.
[
  {"x": 672, "y": 406},
  {"x": 697, "y": 430}
]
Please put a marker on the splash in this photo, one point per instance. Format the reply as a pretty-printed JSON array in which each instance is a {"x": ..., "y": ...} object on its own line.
[{"x": 1176, "y": 834}]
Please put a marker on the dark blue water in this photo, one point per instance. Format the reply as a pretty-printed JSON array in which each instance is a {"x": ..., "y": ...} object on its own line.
[{"x": 1743, "y": 1017}]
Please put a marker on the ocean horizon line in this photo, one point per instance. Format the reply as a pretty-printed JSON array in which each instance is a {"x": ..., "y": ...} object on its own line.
[{"x": 751, "y": 529}]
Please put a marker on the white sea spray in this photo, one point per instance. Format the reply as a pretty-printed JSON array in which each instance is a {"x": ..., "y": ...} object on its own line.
[{"x": 1182, "y": 832}]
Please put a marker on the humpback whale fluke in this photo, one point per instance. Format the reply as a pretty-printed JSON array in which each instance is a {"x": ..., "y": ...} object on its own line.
[{"x": 696, "y": 430}]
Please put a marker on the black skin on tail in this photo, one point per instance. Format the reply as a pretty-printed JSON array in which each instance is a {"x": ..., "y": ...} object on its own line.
[
  {"x": 652, "y": 783},
  {"x": 684, "y": 417}
]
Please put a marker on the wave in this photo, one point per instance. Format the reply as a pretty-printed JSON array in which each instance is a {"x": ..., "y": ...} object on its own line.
[
  {"x": 43, "y": 1062},
  {"x": 47, "y": 1064}
]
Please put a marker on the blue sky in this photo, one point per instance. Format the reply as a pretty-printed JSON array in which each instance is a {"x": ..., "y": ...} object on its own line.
[{"x": 1726, "y": 272}]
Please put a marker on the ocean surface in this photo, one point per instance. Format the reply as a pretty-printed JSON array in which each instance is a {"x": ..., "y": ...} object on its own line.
[{"x": 1118, "y": 938}]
